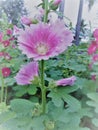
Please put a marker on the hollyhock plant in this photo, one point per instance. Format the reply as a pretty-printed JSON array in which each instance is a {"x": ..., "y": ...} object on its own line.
[
  {"x": 6, "y": 43},
  {"x": 66, "y": 81},
  {"x": 9, "y": 32},
  {"x": 95, "y": 57},
  {"x": 1, "y": 36},
  {"x": 6, "y": 71},
  {"x": 95, "y": 33},
  {"x": 42, "y": 40},
  {"x": 7, "y": 56},
  {"x": 57, "y": 2},
  {"x": 27, "y": 73},
  {"x": 1, "y": 54},
  {"x": 25, "y": 20},
  {"x": 93, "y": 47}
]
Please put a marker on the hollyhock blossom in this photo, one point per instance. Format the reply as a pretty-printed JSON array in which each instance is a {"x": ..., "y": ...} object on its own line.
[
  {"x": 95, "y": 57},
  {"x": 7, "y": 56},
  {"x": 90, "y": 66},
  {"x": 42, "y": 40},
  {"x": 16, "y": 30},
  {"x": 27, "y": 73},
  {"x": 9, "y": 32},
  {"x": 95, "y": 33},
  {"x": 25, "y": 20},
  {"x": 93, "y": 77},
  {"x": 6, "y": 43},
  {"x": 57, "y": 2},
  {"x": 66, "y": 81},
  {"x": 6, "y": 71},
  {"x": 1, "y": 36},
  {"x": 93, "y": 47},
  {"x": 1, "y": 54}
]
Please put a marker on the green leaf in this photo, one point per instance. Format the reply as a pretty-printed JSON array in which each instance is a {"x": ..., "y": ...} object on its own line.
[
  {"x": 32, "y": 89},
  {"x": 5, "y": 116},
  {"x": 95, "y": 121},
  {"x": 94, "y": 101},
  {"x": 22, "y": 106}
]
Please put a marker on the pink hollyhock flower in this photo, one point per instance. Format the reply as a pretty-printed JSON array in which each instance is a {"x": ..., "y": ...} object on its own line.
[
  {"x": 7, "y": 56},
  {"x": 90, "y": 66},
  {"x": 27, "y": 73},
  {"x": 1, "y": 54},
  {"x": 25, "y": 20},
  {"x": 57, "y": 2},
  {"x": 93, "y": 77},
  {"x": 95, "y": 57},
  {"x": 11, "y": 39},
  {"x": 6, "y": 43},
  {"x": 1, "y": 36},
  {"x": 16, "y": 30},
  {"x": 95, "y": 33},
  {"x": 66, "y": 81},
  {"x": 9, "y": 32},
  {"x": 92, "y": 47},
  {"x": 6, "y": 71},
  {"x": 42, "y": 40}
]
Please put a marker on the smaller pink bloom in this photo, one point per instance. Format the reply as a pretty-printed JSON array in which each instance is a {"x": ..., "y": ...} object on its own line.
[
  {"x": 95, "y": 33},
  {"x": 25, "y": 20},
  {"x": 90, "y": 66},
  {"x": 11, "y": 39},
  {"x": 93, "y": 77},
  {"x": 92, "y": 47},
  {"x": 95, "y": 57},
  {"x": 7, "y": 56},
  {"x": 16, "y": 30},
  {"x": 6, "y": 71},
  {"x": 27, "y": 73},
  {"x": 6, "y": 43},
  {"x": 66, "y": 81},
  {"x": 1, "y": 36},
  {"x": 1, "y": 54},
  {"x": 57, "y": 2},
  {"x": 9, "y": 32}
]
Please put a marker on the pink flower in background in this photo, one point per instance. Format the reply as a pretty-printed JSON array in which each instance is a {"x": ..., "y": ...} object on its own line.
[
  {"x": 90, "y": 66},
  {"x": 66, "y": 81},
  {"x": 7, "y": 56},
  {"x": 93, "y": 77},
  {"x": 16, "y": 30},
  {"x": 95, "y": 33},
  {"x": 1, "y": 54},
  {"x": 9, "y": 32},
  {"x": 42, "y": 41},
  {"x": 6, "y": 71},
  {"x": 57, "y": 2},
  {"x": 1, "y": 36},
  {"x": 25, "y": 20},
  {"x": 27, "y": 73},
  {"x": 6, "y": 43},
  {"x": 95, "y": 57},
  {"x": 93, "y": 47}
]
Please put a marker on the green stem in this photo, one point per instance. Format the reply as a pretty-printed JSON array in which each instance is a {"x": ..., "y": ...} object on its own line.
[
  {"x": 5, "y": 98},
  {"x": 46, "y": 11},
  {"x": 43, "y": 89},
  {"x": 2, "y": 86}
]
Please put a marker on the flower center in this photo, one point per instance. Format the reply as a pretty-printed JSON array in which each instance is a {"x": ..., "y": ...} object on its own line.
[{"x": 42, "y": 49}]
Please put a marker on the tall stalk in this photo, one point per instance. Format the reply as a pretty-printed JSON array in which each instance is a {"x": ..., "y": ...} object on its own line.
[
  {"x": 2, "y": 86},
  {"x": 43, "y": 88}
]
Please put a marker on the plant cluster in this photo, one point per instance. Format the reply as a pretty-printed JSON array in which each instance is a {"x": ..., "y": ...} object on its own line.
[{"x": 45, "y": 79}]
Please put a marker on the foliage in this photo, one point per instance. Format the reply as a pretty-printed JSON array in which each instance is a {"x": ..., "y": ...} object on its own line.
[{"x": 67, "y": 107}]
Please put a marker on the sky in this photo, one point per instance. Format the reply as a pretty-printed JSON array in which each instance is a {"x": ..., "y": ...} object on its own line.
[{"x": 70, "y": 11}]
